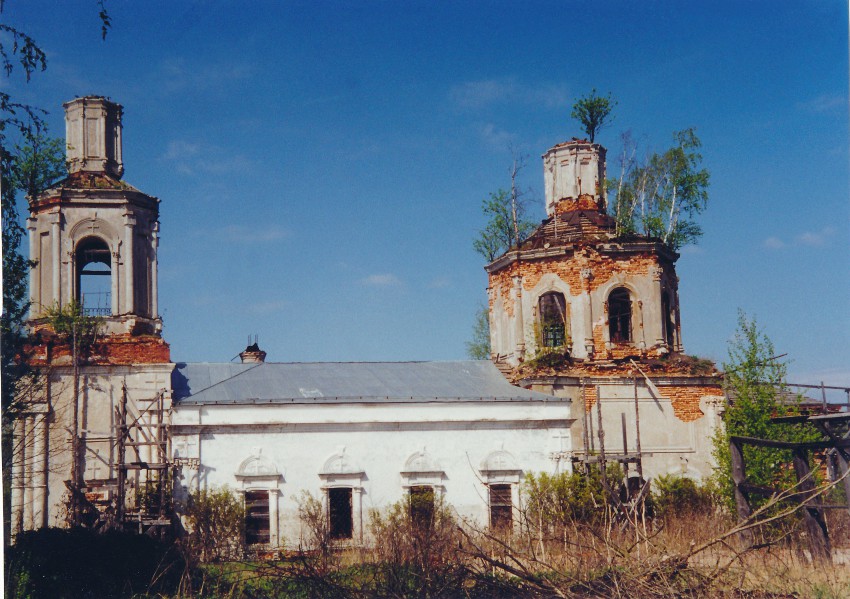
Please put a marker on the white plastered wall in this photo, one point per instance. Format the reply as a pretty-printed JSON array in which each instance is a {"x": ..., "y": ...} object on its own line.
[{"x": 380, "y": 439}]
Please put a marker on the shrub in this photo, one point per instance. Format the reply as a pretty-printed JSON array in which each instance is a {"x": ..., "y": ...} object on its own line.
[
  {"x": 677, "y": 496},
  {"x": 216, "y": 523},
  {"x": 554, "y": 501},
  {"x": 416, "y": 549}
]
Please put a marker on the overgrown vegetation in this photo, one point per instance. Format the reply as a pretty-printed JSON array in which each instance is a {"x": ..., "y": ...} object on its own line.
[
  {"x": 755, "y": 384},
  {"x": 479, "y": 347},
  {"x": 215, "y": 520},
  {"x": 593, "y": 112},
  {"x": 661, "y": 195}
]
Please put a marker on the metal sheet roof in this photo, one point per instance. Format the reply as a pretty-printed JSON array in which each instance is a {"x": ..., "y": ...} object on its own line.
[{"x": 319, "y": 382}]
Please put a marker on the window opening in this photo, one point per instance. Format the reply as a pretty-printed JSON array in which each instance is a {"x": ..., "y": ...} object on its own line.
[
  {"x": 620, "y": 316},
  {"x": 667, "y": 315},
  {"x": 552, "y": 308},
  {"x": 501, "y": 507},
  {"x": 421, "y": 506},
  {"x": 257, "y": 524},
  {"x": 94, "y": 277},
  {"x": 339, "y": 513}
]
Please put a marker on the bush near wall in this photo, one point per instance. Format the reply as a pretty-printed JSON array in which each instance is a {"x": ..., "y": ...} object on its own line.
[
  {"x": 678, "y": 496},
  {"x": 55, "y": 563}
]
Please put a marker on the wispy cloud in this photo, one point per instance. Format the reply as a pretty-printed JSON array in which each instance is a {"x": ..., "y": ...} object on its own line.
[
  {"x": 816, "y": 238},
  {"x": 178, "y": 74},
  {"x": 483, "y": 92},
  {"x": 691, "y": 249},
  {"x": 440, "y": 283},
  {"x": 381, "y": 280},
  {"x": 192, "y": 158},
  {"x": 825, "y": 103},
  {"x": 773, "y": 243},
  {"x": 494, "y": 137},
  {"x": 807, "y": 238}
]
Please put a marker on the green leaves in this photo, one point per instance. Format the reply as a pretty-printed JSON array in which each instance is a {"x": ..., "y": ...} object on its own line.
[
  {"x": 592, "y": 111},
  {"x": 661, "y": 196},
  {"x": 755, "y": 384},
  {"x": 479, "y": 347},
  {"x": 499, "y": 234}
]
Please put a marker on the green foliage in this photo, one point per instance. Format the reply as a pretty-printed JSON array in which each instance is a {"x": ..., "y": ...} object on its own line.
[
  {"x": 501, "y": 231},
  {"x": 661, "y": 196},
  {"x": 592, "y": 111},
  {"x": 479, "y": 347},
  {"x": 755, "y": 383},
  {"x": 70, "y": 321},
  {"x": 79, "y": 563},
  {"x": 680, "y": 497},
  {"x": 557, "y": 501},
  {"x": 216, "y": 523},
  {"x": 416, "y": 542}
]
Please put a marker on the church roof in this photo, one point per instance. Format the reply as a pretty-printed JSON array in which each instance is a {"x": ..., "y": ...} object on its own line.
[{"x": 345, "y": 382}]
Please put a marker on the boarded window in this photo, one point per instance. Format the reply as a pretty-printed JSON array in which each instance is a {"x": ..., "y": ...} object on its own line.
[
  {"x": 339, "y": 513},
  {"x": 620, "y": 316},
  {"x": 94, "y": 277},
  {"x": 552, "y": 310},
  {"x": 421, "y": 506},
  {"x": 501, "y": 508},
  {"x": 257, "y": 518}
]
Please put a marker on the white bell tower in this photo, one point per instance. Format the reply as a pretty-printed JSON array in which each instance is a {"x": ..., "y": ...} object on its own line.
[{"x": 94, "y": 236}]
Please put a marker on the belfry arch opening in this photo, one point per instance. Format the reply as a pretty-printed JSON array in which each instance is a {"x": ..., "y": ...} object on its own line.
[
  {"x": 94, "y": 277},
  {"x": 669, "y": 320},
  {"x": 552, "y": 316},
  {"x": 620, "y": 316}
]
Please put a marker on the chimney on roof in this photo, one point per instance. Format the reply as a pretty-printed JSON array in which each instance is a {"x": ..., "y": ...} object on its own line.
[
  {"x": 253, "y": 354},
  {"x": 93, "y": 136}
]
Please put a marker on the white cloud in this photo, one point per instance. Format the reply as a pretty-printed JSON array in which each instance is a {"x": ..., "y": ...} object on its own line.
[
  {"x": 773, "y": 243},
  {"x": 178, "y": 74},
  {"x": 807, "y": 238},
  {"x": 816, "y": 238},
  {"x": 495, "y": 137},
  {"x": 825, "y": 103},
  {"x": 381, "y": 280},
  {"x": 483, "y": 92},
  {"x": 440, "y": 283}
]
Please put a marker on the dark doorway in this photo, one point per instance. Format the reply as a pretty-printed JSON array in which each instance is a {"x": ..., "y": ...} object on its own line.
[
  {"x": 257, "y": 518},
  {"x": 339, "y": 513},
  {"x": 501, "y": 507}
]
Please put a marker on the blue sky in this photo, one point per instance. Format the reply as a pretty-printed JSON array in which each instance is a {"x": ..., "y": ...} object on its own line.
[{"x": 321, "y": 165}]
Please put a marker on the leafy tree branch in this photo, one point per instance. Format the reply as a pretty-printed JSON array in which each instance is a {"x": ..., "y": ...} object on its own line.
[{"x": 661, "y": 195}]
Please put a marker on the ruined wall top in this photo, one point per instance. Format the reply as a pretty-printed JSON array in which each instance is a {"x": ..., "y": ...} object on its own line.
[
  {"x": 573, "y": 169},
  {"x": 93, "y": 136}
]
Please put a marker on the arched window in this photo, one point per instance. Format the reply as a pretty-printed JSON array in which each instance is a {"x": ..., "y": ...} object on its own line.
[
  {"x": 94, "y": 277},
  {"x": 552, "y": 311},
  {"x": 620, "y": 316}
]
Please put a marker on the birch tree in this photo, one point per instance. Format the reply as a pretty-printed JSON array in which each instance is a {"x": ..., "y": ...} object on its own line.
[{"x": 661, "y": 195}]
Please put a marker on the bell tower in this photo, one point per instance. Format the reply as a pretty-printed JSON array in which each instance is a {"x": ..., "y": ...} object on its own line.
[{"x": 94, "y": 236}]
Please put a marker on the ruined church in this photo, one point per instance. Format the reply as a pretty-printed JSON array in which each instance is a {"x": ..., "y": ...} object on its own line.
[{"x": 587, "y": 359}]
